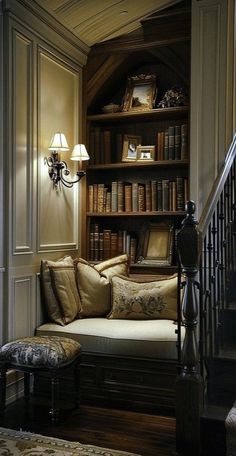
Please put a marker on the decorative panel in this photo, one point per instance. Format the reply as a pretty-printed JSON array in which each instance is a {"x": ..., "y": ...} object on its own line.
[
  {"x": 22, "y": 307},
  {"x": 22, "y": 144},
  {"x": 208, "y": 103},
  {"x": 58, "y": 100}
]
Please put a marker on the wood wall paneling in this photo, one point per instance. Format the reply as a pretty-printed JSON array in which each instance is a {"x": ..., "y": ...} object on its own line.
[
  {"x": 208, "y": 96},
  {"x": 57, "y": 111},
  {"x": 22, "y": 313}
]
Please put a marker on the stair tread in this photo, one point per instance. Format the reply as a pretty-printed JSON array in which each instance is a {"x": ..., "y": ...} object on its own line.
[{"x": 215, "y": 412}]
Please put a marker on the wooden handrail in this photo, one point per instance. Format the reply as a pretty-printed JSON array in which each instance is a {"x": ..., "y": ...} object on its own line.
[{"x": 217, "y": 188}]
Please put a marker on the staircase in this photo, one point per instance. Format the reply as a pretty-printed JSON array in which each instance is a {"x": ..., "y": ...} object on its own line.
[{"x": 209, "y": 310}]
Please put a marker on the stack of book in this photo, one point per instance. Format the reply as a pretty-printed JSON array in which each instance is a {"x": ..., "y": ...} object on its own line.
[
  {"x": 155, "y": 195},
  {"x": 104, "y": 147},
  {"x": 105, "y": 243},
  {"x": 172, "y": 144}
]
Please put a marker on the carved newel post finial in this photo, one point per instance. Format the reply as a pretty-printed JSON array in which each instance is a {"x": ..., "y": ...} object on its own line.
[{"x": 189, "y": 382}]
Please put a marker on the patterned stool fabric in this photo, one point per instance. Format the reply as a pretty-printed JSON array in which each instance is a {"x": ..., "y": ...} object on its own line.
[{"x": 39, "y": 353}]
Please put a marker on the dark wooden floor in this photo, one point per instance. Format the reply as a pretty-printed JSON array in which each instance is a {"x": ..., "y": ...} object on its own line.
[{"x": 146, "y": 435}]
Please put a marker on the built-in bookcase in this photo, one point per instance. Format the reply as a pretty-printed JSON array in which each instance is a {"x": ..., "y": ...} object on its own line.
[{"x": 123, "y": 196}]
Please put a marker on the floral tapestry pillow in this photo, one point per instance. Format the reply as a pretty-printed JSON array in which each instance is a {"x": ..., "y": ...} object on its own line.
[{"x": 143, "y": 301}]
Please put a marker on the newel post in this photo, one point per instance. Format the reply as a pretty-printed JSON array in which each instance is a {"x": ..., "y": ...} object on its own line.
[{"x": 189, "y": 385}]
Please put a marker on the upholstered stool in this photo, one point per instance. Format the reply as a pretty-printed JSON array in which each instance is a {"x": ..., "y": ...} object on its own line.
[{"x": 35, "y": 354}]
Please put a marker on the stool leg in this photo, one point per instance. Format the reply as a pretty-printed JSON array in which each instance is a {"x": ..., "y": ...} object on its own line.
[
  {"x": 26, "y": 386},
  {"x": 54, "y": 412},
  {"x": 3, "y": 370}
]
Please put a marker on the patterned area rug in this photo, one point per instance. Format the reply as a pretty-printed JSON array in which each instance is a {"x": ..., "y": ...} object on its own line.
[
  {"x": 230, "y": 426},
  {"x": 19, "y": 443}
]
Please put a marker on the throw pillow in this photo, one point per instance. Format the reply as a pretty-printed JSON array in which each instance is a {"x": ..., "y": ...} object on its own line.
[
  {"x": 143, "y": 301},
  {"x": 94, "y": 291},
  {"x": 114, "y": 266},
  {"x": 93, "y": 283},
  {"x": 51, "y": 304},
  {"x": 65, "y": 289}
]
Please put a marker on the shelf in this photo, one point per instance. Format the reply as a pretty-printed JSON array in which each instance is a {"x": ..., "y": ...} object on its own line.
[
  {"x": 141, "y": 116},
  {"x": 154, "y": 164},
  {"x": 136, "y": 214}
]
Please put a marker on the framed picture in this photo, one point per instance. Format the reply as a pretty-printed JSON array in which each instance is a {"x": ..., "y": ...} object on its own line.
[
  {"x": 157, "y": 244},
  {"x": 140, "y": 93},
  {"x": 130, "y": 147},
  {"x": 146, "y": 153}
]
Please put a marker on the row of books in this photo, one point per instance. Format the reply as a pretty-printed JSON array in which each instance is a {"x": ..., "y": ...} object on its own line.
[
  {"x": 107, "y": 147},
  {"x": 105, "y": 243},
  {"x": 172, "y": 144},
  {"x": 161, "y": 195}
]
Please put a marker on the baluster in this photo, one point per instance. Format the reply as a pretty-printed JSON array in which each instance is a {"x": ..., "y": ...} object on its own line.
[
  {"x": 209, "y": 286},
  {"x": 189, "y": 385}
]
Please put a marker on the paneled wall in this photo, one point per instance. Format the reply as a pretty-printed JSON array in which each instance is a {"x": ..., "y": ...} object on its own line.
[
  {"x": 211, "y": 92},
  {"x": 42, "y": 95}
]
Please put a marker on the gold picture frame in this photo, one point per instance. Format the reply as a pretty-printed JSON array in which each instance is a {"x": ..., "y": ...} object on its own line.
[
  {"x": 140, "y": 94},
  {"x": 157, "y": 244},
  {"x": 130, "y": 147},
  {"x": 146, "y": 153}
]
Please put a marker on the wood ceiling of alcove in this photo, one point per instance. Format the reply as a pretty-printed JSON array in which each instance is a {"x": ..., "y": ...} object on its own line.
[
  {"x": 162, "y": 46},
  {"x": 93, "y": 21}
]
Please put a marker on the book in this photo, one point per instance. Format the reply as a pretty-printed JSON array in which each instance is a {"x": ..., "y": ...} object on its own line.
[
  {"x": 133, "y": 249},
  {"x": 100, "y": 207},
  {"x": 177, "y": 151},
  {"x": 179, "y": 193},
  {"x": 114, "y": 244},
  {"x": 95, "y": 197},
  {"x": 114, "y": 196},
  {"x": 184, "y": 141},
  {"x": 120, "y": 196},
  {"x": 166, "y": 146},
  {"x": 159, "y": 196},
  {"x": 135, "y": 196},
  {"x": 148, "y": 197},
  {"x": 141, "y": 197},
  {"x": 171, "y": 142},
  {"x": 120, "y": 242},
  {"x": 106, "y": 244},
  {"x": 165, "y": 195},
  {"x": 128, "y": 197},
  {"x": 108, "y": 202},
  {"x": 90, "y": 198},
  {"x": 91, "y": 244},
  {"x": 97, "y": 145},
  {"x": 119, "y": 147},
  {"x": 100, "y": 247},
  {"x": 153, "y": 195},
  {"x": 96, "y": 242}
]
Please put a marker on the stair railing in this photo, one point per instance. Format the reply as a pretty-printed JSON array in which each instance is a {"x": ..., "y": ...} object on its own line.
[{"x": 207, "y": 256}]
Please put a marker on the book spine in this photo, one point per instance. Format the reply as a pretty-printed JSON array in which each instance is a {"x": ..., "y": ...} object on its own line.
[
  {"x": 107, "y": 146},
  {"x": 171, "y": 149},
  {"x": 114, "y": 244},
  {"x": 141, "y": 198},
  {"x": 108, "y": 202},
  {"x": 166, "y": 145},
  {"x": 95, "y": 197},
  {"x": 180, "y": 193},
  {"x": 90, "y": 198},
  {"x": 100, "y": 254},
  {"x": 100, "y": 198},
  {"x": 96, "y": 242},
  {"x": 119, "y": 146},
  {"x": 120, "y": 196},
  {"x": 177, "y": 153},
  {"x": 159, "y": 196},
  {"x": 184, "y": 141},
  {"x": 106, "y": 244},
  {"x": 114, "y": 196},
  {"x": 153, "y": 196},
  {"x": 97, "y": 146},
  {"x": 128, "y": 197},
  {"x": 148, "y": 202},
  {"x": 165, "y": 195},
  {"x": 91, "y": 244},
  {"x": 120, "y": 242},
  {"x": 133, "y": 249},
  {"x": 135, "y": 196}
]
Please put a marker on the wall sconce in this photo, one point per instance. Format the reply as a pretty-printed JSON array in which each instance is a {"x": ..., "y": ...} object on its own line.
[{"x": 58, "y": 169}]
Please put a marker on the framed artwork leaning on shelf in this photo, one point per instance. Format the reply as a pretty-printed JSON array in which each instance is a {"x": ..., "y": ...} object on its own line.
[
  {"x": 130, "y": 147},
  {"x": 145, "y": 153},
  {"x": 140, "y": 93},
  {"x": 156, "y": 244}
]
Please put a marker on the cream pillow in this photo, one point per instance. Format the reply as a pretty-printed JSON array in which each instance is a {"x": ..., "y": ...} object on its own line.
[
  {"x": 118, "y": 265},
  {"x": 65, "y": 289},
  {"x": 94, "y": 291},
  {"x": 49, "y": 299},
  {"x": 143, "y": 301}
]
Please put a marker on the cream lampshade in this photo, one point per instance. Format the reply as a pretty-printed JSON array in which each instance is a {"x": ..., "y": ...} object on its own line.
[
  {"x": 59, "y": 142},
  {"x": 79, "y": 153}
]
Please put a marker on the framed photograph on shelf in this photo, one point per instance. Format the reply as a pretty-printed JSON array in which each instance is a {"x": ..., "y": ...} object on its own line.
[
  {"x": 130, "y": 147},
  {"x": 157, "y": 244},
  {"x": 145, "y": 153},
  {"x": 140, "y": 93}
]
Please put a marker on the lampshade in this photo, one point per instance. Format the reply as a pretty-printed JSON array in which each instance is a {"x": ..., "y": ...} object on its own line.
[
  {"x": 79, "y": 153},
  {"x": 59, "y": 142}
]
